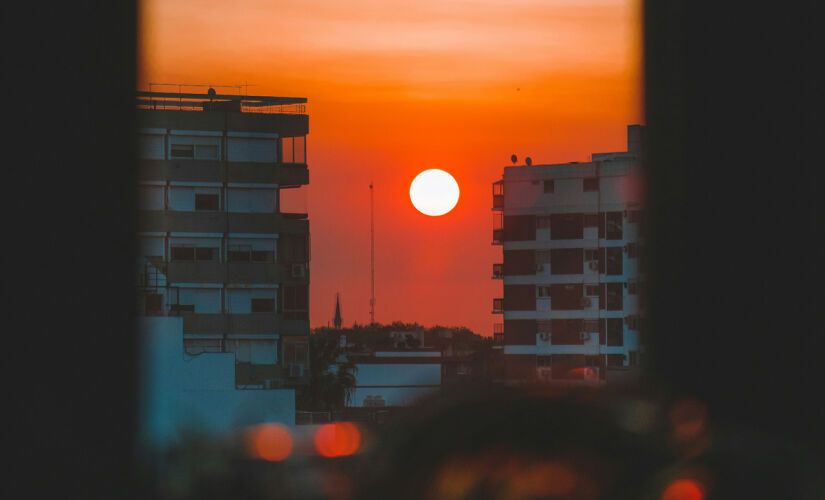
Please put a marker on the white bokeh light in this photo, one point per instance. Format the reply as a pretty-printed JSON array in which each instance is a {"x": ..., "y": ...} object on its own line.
[{"x": 434, "y": 192}]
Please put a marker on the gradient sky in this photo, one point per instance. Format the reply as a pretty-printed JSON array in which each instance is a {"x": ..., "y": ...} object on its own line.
[{"x": 397, "y": 87}]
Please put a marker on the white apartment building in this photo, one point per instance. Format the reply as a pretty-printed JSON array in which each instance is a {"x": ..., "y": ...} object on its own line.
[{"x": 572, "y": 302}]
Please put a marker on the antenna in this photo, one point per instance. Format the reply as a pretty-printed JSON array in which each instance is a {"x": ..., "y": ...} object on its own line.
[{"x": 372, "y": 257}]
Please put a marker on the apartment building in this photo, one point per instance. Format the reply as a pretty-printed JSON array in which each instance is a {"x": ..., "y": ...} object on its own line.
[
  {"x": 217, "y": 246},
  {"x": 571, "y": 237}
]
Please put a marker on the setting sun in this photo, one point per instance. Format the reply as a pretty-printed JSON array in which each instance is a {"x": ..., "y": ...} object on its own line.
[{"x": 434, "y": 192}]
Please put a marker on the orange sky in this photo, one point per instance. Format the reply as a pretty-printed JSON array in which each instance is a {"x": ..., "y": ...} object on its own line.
[{"x": 397, "y": 87}]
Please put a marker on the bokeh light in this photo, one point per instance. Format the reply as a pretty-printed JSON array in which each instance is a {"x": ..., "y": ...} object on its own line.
[
  {"x": 337, "y": 440},
  {"x": 683, "y": 489},
  {"x": 271, "y": 442}
]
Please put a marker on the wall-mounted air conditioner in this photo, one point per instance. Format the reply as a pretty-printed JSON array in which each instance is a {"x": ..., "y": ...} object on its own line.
[{"x": 593, "y": 265}]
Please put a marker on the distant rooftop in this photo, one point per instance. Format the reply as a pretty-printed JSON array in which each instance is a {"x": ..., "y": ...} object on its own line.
[{"x": 177, "y": 98}]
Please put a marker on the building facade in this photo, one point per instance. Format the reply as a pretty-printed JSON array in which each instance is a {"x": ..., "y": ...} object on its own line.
[
  {"x": 217, "y": 247},
  {"x": 571, "y": 243}
]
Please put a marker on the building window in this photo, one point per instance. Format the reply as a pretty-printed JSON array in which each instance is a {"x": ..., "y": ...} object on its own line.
[
  {"x": 296, "y": 302},
  {"x": 591, "y": 220},
  {"x": 543, "y": 291},
  {"x": 239, "y": 253},
  {"x": 566, "y": 227},
  {"x": 295, "y": 353},
  {"x": 590, "y": 184},
  {"x": 542, "y": 222},
  {"x": 206, "y": 202},
  {"x": 614, "y": 225},
  {"x": 186, "y": 253},
  {"x": 566, "y": 261},
  {"x": 615, "y": 330},
  {"x": 263, "y": 305},
  {"x": 262, "y": 256},
  {"x": 549, "y": 186},
  {"x": 182, "y": 151},
  {"x": 615, "y": 360},
  {"x": 614, "y": 258},
  {"x": 207, "y": 254}
]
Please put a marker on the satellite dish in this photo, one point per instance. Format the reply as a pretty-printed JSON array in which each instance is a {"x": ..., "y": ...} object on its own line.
[
  {"x": 211, "y": 93},
  {"x": 514, "y": 159},
  {"x": 528, "y": 161}
]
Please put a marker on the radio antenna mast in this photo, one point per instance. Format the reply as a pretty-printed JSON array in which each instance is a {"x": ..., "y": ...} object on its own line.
[{"x": 372, "y": 257}]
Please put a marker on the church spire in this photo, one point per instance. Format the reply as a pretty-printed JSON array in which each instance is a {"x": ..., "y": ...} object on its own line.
[{"x": 337, "y": 321}]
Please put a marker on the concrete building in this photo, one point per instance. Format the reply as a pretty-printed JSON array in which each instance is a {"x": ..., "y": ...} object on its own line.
[
  {"x": 184, "y": 396},
  {"x": 570, "y": 234},
  {"x": 218, "y": 248},
  {"x": 396, "y": 377}
]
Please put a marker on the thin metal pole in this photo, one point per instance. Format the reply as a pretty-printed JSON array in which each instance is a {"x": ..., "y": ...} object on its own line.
[{"x": 372, "y": 256}]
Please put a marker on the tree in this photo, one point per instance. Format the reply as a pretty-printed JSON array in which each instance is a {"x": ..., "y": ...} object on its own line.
[{"x": 331, "y": 382}]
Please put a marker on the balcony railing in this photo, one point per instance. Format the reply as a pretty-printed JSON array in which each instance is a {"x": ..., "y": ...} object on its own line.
[
  {"x": 498, "y": 271},
  {"x": 498, "y": 201},
  {"x": 498, "y": 338},
  {"x": 498, "y": 236},
  {"x": 498, "y": 306}
]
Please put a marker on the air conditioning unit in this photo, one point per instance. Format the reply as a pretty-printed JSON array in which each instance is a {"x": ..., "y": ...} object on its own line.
[
  {"x": 593, "y": 265},
  {"x": 586, "y": 302},
  {"x": 296, "y": 371},
  {"x": 297, "y": 271},
  {"x": 544, "y": 336},
  {"x": 584, "y": 336}
]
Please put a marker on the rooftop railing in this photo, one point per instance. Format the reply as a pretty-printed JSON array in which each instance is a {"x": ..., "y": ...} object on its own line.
[{"x": 212, "y": 101}]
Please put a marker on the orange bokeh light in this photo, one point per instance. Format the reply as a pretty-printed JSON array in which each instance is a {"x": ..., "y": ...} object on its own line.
[
  {"x": 271, "y": 442},
  {"x": 683, "y": 489},
  {"x": 338, "y": 439}
]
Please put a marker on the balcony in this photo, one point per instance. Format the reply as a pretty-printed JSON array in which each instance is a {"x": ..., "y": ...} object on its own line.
[
  {"x": 255, "y": 323},
  {"x": 219, "y": 222},
  {"x": 498, "y": 306},
  {"x": 283, "y": 174},
  {"x": 498, "y": 271},
  {"x": 232, "y": 272},
  {"x": 498, "y": 334},
  {"x": 498, "y": 195},
  {"x": 498, "y": 236}
]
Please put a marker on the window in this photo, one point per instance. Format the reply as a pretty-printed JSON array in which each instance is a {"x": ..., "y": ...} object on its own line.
[
  {"x": 567, "y": 332},
  {"x": 296, "y": 302},
  {"x": 615, "y": 330},
  {"x": 209, "y": 254},
  {"x": 206, "y": 202},
  {"x": 566, "y": 297},
  {"x": 262, "y": 256},
  {"x": 239, "y": 253},
  {"x": 614, "y": 225},
  {"x": 549, "y": 186},
  {"x": 183, "y": 253},
  {"x": 566, "y": 261},
  {"x": 614, "y": 260},
  {"x": 543, "y": 291},
  {"x": 566, "y": 226},
  {"x": 182, "y": 151},
  {"x": 542, "y": 222},
  {"x": 591, "y": 220},
  {"x": 295, "y": 353},
  {"x": 613, "y": 293},
  {"x": 590, "y": 184},
  {"x": 263, "y": 305}
]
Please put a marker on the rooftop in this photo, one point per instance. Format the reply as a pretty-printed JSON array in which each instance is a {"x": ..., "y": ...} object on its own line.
[{"x": 181, "y": 100}]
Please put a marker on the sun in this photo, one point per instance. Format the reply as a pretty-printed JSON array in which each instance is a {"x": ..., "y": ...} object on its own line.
[{"x": 434, "y": 192}]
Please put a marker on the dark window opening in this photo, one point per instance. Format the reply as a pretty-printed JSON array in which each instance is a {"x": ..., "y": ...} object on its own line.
[
  {"x": 239, "y": 253},
  {"x": 615, "y": 332},
  {"x": 567, "y": 332},
  {"x": 613, "y": 294},
  {"x": 614, "y": 225},
  {"x": 519, "y": 297},
  {"x": 182, "y": 151},
  {"x": 614, "y": 260},
  {"x": 549, "y": 186},
  {"x": 566, "y": 261},
  {"x": 209, "y": 254},
  {"x": 566, "y": 226},
  {"x": 295, "y": 353},
  {"x": 263, "y": 305},
  {"x": 591, "y": 220},
  {"x": 262, "y": 256},
  {"x": 519, "y": 227},
  {"x": 154, "y": 304},
  {"x": 183, "y": 253},
  {"x": 566, "y": 297},
  {"x": 206, "y": 202},
  {"x": 591, "y": 184},
  {"x": 296, "y": 302}
]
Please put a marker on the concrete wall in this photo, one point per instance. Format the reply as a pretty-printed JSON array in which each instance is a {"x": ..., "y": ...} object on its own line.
[
  {"x": 399, "y": 384},
  {"x": 181, "y": 394}
]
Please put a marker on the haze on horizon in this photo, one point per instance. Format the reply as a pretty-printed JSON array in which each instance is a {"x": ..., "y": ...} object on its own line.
[{"x": 394, "y": 89}]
